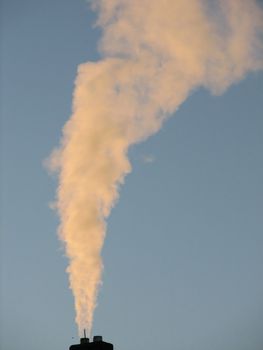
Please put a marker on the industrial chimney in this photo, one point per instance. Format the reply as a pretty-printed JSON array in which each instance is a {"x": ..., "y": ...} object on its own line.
[{"x": 97, "y": 344}]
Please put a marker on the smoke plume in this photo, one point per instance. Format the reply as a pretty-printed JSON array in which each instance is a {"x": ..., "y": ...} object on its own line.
[{"x": 154, "y": 53}]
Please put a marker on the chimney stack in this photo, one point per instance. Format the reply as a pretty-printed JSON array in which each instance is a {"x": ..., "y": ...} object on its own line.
[{"x": 97, "y": 344}]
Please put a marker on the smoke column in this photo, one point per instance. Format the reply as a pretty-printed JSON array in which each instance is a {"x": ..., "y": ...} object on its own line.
[{"x": 154, "y": 53}]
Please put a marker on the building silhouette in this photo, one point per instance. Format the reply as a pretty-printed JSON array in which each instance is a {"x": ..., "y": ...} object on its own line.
[{"x": 97, "y": 344}]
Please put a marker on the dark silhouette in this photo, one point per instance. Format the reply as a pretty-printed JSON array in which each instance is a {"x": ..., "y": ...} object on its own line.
[{"x": 97, "y": 344}]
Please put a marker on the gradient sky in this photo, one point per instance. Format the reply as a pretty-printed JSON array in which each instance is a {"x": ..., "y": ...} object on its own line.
[{"x": 184, "y": 251}]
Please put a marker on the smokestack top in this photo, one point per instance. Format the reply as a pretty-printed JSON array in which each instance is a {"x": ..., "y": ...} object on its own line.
[
  {"x": 96, "y": 344},
  {"x": 97, "y": 338}
]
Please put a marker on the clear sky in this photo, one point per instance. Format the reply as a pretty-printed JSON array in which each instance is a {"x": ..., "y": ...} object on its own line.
[{"x": 183, "y": 255}]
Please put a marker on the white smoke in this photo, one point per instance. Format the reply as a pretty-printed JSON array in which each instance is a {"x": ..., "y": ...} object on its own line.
[{"x": 155, "y": 52}]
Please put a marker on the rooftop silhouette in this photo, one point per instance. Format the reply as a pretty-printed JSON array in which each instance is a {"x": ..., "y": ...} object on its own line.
[{"x": 97, "y": 344}]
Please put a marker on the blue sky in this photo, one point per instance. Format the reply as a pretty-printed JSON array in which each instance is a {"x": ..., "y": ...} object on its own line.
[{"x": 183, "y": 255}]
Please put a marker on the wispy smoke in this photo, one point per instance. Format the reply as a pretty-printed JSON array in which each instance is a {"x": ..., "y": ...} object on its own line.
[{"x": 154, "y": 53}]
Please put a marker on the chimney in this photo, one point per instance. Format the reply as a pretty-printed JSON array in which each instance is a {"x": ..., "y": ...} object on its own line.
[
  {"x": 96, "y": 344},
  {"x": 97, "y": 338}
]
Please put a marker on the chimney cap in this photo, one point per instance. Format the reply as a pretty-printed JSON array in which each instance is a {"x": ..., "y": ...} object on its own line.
[
  {"x": 97, "y": 338},
  {"x": 84, "y": 340}
]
